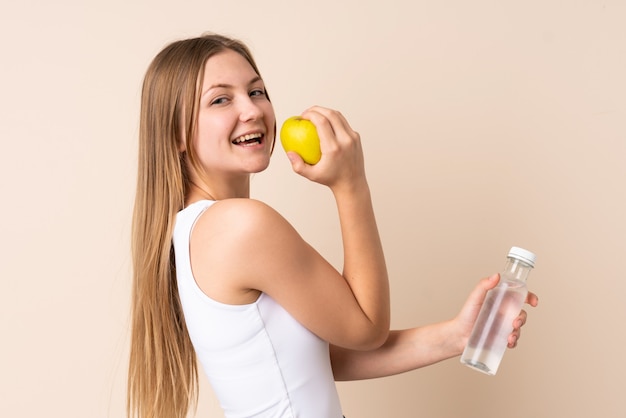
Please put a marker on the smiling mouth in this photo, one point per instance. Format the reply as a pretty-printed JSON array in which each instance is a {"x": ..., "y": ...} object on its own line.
[{"x": 248, "y": 140}]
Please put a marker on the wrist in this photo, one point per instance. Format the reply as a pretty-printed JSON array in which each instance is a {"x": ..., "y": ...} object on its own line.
[
  {"x": 351, "y": 189},
  {"x": 456, "y": 337}
]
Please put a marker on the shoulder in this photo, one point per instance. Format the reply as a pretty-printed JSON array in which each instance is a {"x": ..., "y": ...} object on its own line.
[
  {"x": 241, "y": 215},
  {"x": 237, "y": 206},
  {"x": 237, "y": 246},
  {"x": 235, "y": 225}
]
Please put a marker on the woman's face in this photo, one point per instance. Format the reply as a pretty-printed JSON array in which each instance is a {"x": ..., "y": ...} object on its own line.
[{"x": 236, "y": 121}]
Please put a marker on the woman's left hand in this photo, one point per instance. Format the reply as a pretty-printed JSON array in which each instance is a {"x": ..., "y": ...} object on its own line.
[
  {"x": 519, "y": 322},
  {"x": 469, "y": 313}
]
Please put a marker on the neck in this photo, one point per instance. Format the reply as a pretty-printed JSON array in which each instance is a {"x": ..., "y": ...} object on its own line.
[{"x": 202, "y": 191}]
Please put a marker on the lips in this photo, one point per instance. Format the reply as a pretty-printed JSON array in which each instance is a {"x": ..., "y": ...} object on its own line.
[{"x": 249, "y": 139}]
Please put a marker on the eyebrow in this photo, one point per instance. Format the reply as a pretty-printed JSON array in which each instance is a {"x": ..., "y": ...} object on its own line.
[{"x": 226, "y": 86}]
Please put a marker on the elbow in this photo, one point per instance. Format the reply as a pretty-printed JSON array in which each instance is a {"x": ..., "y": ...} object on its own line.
[
  {"x": 376, "y": 341},
  {"x": 363, "y": 333},
  {"x": 374, "y": 338},
  {"x": 380, "y": 337},
  {"x": 378, "y": 332}
]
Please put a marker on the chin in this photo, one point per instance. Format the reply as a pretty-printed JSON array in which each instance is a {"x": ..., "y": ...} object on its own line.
[{"x": 259, "y": 167}]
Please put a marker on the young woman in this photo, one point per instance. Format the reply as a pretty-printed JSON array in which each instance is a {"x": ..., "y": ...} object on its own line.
[{"x": 226, "y": 278}]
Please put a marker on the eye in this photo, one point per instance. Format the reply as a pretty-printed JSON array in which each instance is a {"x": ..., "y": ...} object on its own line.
[
  {"x": 257, "y": 93},
  {"x": 219, "y": 100}
]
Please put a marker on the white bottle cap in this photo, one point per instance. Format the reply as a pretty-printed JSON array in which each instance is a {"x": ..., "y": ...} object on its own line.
[{"x": 523, "y": 255}]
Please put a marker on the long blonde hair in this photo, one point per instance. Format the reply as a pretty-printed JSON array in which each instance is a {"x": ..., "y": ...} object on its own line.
[{"x": 163, "y": 374}]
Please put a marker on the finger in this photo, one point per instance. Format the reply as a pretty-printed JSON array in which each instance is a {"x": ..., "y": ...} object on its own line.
[
  {"x": 297, "y": 163},
  {"x": 532, "y": 299},
  {"x": 490, "y": 282},
  {"x": 513, "y": 339},
  {"x": 337, "y": 121},
  {"x": 477, "y": 297},
  {"x": 334, "y": 116},
  {"x": 487, "y": 284},
  {"x": 325, "y": 130},
  {"x": 520, "y": 320}
]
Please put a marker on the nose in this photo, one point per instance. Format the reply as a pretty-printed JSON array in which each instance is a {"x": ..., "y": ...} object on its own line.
[{"x": 250, "y": 111}]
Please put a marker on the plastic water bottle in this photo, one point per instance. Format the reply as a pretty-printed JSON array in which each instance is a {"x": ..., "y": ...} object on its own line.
[{"x": 489, "y": 338}]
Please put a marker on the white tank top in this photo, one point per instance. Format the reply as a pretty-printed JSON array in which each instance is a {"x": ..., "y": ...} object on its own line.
[{"x": 259, "y": 360}]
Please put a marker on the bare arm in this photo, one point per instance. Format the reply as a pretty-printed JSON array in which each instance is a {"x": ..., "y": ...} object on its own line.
[
  {"x": 241, "y": 247},
  {"x": 404, "y": 350},
  {"x": 342, "y": 169},
  {"x": 411, "y": 349}
]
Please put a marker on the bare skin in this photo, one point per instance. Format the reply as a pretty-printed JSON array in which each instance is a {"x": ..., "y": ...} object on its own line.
[
  {"x": 241, "y": 247},
  {"x": 414, "y": 348},
  {"x": 278, "y": 262}
]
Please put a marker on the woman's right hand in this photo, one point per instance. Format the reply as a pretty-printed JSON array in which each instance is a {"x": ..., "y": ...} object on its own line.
[{"x": 341, "y": 165}]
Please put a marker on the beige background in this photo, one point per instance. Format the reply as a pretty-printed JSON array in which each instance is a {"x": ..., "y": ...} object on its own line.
[{"x": 486, "y": 124}]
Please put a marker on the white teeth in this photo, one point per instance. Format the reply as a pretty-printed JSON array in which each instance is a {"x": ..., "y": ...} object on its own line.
[{"x": 245, "y": 138}]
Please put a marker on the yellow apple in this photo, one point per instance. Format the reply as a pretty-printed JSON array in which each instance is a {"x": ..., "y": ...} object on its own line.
[{"x": 300, "y": 136}]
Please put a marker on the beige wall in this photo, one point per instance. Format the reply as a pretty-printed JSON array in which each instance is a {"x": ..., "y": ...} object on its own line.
[{"x": 486, "y": 124}]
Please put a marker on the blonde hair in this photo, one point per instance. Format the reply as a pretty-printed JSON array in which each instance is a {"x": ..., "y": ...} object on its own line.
[{"x": 163, "y": 374}]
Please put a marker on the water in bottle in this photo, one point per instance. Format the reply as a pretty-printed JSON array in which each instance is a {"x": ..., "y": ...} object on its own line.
[{"x": 489, "y": 337}]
